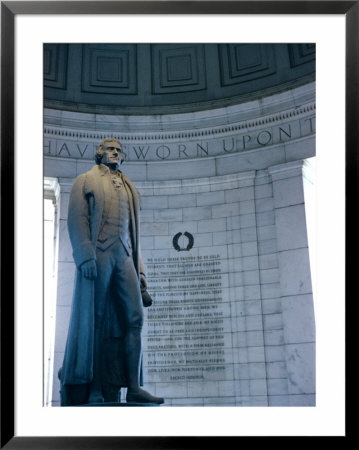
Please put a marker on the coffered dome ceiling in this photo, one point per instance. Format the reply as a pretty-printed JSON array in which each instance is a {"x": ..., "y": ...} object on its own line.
[{"x": 169, "y": 78}]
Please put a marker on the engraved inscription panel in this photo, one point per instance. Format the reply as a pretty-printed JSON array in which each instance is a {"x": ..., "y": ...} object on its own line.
[{"x": 188, "y": 334}]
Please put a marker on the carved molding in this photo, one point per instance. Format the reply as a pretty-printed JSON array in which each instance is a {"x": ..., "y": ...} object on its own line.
[{"x": 218, "y": 131}]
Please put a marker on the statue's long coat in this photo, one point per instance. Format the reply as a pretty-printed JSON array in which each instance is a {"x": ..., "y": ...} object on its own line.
[{"x": 86, "y": 215}]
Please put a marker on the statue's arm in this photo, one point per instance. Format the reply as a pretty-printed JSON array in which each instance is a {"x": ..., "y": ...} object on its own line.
[{"x": 79, "y": 223}]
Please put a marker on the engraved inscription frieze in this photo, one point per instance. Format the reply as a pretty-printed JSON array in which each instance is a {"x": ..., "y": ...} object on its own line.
[{"x": 183, "y": 146}]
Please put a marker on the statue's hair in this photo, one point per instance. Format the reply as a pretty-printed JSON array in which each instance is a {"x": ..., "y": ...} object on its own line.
[{"x": 100, "y": 148}]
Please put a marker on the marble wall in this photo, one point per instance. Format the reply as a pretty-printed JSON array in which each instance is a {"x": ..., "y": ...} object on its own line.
[
  {"x": 233, "y": 321},
  {"x": 224, "y": 239}
]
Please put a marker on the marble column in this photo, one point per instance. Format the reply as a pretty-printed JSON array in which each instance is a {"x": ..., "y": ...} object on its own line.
[
  {"x": 65, "y": 287},
  {"x": 295, "y": 281}
]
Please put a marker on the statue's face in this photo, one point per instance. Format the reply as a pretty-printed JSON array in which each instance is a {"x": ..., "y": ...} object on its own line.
[{"x": 112, "y": 155}]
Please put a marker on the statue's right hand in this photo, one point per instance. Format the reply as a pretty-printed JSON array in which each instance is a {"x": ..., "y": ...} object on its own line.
[{"x": 89, "y": 269}]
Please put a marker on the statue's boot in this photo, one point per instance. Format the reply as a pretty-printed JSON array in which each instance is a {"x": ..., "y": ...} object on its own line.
[
  {"x": 95, "y": 395},
  {"x": 141, "y": 396},
  {"x": 133, "y": 356}
]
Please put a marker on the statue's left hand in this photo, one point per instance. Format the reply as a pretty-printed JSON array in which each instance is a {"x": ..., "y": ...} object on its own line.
[{"x": 89, "y": 269}]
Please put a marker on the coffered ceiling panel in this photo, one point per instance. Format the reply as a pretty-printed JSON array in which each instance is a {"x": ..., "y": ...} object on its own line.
[
  {"x": 169, "y": 78},
  {"x": 55, "y": 65},
  {"x": 109, "y": 70},
  {"x": 301, "y": 54},
  {"x": 177, "y": 68},
  {"x": 245, "y": 62}
]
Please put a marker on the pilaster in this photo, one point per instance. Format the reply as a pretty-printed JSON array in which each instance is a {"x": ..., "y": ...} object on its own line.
[{"x": 295, "y": 280}]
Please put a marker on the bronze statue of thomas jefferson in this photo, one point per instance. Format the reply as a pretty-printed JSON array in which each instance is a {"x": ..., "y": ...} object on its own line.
[{"x": 103, "y": 350}]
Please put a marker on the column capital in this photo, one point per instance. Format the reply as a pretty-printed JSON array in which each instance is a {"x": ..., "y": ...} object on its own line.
[
  {"x": 51, "y": 188},
  {"x": 287, "y": 170}
]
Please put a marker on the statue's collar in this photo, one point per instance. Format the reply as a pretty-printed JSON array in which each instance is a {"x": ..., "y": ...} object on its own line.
[{"x": 105, "y": 169}]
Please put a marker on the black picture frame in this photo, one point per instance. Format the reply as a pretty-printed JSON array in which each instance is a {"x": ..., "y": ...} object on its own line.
[{"x": 9, "y": 9}]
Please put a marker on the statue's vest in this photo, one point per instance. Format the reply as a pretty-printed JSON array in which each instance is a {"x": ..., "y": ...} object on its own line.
[{"x": 116, "y": 219}]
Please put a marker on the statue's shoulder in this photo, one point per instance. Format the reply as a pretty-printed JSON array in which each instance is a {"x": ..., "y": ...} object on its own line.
[
  {"x": 92, "y": 171},
  {"x": 88, "y": 180}
]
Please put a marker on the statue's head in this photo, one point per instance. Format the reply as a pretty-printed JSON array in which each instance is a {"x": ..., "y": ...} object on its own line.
[{"x": 109, "y": 152}]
